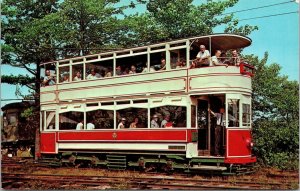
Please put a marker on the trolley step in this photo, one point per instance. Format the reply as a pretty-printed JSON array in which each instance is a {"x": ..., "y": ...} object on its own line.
[{"x": 116, "y": 162}]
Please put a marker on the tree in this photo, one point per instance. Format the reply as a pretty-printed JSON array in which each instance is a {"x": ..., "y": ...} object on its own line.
[
  {"x": 38, "y": 32},
  {"x": 169, "y": 19},
  {"x": 24, "y": 45}
]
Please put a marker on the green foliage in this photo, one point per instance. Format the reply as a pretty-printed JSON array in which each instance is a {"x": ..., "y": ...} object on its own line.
[
  {"x": 169, "y": 19},
  {"x": 20, "y": 79},
  {"x": 275, "y": 114},
  {"x": 27, "y": 112},
  {"x": 277, "y": 144}
]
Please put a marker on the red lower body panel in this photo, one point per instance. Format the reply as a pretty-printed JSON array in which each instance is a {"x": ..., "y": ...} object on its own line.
[
  {"x": 48, "y": 142},
  {"x": 238, "y": 149},
  {"x": 51, "y": 140}
]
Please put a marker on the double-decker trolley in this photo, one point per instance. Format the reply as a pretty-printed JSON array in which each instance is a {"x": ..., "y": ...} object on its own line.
[{"x": 162, "y": 106}]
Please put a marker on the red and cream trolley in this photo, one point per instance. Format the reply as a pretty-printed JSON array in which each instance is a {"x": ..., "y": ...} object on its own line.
[{"x": 183, "y": 94}]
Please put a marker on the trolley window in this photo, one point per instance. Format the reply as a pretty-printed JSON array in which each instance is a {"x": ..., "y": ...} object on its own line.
[
  {"x": 233, "y": 113},
  {"x": 169, "y": 116},
  {"x": 100, "y": 119},
  {"x": 132, "y": 118},
  {"x": 50, "y": 120},
  {"x": 246, "y": 115},
  {"x": 71, "y": 120}
]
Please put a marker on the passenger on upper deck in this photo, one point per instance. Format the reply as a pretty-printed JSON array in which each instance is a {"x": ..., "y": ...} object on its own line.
[
  {"x": 108, "y": 72},
  {"x": 145, "y": 70},
  {"x": 235, "y": 60},
  {"x": 202, "y": 56},
  {"x": 48, "y": 79},
  {"x": 180, "y": 63},
  {"x": 216, "y": 59},
  {"x": 223, "y": 58},
  {"x": 133, "y": 70},
  {"x": 134, "y": 123},
  {"x": 126, "y": 71},
  {"x": 193, "y": 65},
  {"x": 77, "y": 76},
  {"x": 93, "y": 75},
  {"x": 154, "y": 123},
  {"x": 163, "y": 64},
  {"x": 119, "y": 71},
  {"x": 122, "y": 123},
  {"x": 65, "y": 78}
]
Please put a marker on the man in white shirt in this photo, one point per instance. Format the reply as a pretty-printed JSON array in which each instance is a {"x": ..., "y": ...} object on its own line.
[
  {"x": 93, "y": 75},
  {"x": 90, "y": 126},
  {"x": 215, "y": 59},
  {"x": 48, "y": 79},
  {"x": 122, "y": 123},
  {"x": 221, "y": 118},
  {"x": 79, "y": 125},
  {"x": 202, "y": 56}
]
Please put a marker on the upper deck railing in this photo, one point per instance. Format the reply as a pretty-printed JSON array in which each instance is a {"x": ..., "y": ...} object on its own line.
[{"x": 167, "y": 56}]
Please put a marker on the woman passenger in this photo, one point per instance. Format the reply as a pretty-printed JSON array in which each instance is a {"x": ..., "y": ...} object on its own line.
[
  {"x": 65, "y": 78},
  {"x": 108, "y": 73},
  {"x": 178, "y": 65},
  {"x": 126, "y": 71},
  {"x": 77, "y": 76},
  {"x": 133, "y": 70},
  {"x": 134, "y": 123}
]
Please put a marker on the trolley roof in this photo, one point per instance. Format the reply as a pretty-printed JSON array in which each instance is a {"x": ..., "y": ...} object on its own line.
[{"x": 222, "y": 41}]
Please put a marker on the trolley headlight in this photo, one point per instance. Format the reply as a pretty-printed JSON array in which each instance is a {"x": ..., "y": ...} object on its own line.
[{"x": 250, "y": 144}]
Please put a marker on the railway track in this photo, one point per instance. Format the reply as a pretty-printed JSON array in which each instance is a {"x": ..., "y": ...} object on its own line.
[
  {"x": 35, "y": 178},
  {"x": 12, "y": 180}
]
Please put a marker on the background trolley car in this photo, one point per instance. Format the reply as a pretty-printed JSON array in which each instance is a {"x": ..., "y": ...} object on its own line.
[
  {"x": 17, "y": 134},
  {"x": 184, "y": 94}
]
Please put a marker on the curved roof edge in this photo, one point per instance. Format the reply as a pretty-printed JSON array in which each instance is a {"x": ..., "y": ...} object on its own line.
[{"x": 246, "y": 41}]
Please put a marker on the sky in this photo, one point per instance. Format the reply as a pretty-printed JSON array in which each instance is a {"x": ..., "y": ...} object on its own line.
[{"x": 278, "y": 35}]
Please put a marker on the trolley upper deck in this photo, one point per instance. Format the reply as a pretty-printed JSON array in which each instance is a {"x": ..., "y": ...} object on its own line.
[{"x": 112, "y": 80}]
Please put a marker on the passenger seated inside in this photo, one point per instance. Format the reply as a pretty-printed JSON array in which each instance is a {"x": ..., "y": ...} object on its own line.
[
  {"x": 235, "y": 59},
  {"x": 193, "y": 65},
  {"x": 145, "y": 70},
  {"x": 122, "y": 123},
  {"x": 126, "y": 71},
  {"x": 108, "y": 72},
  {"x": 154, "y": 122},
  {"x": 77, "y": 76},
  {"x": 133, "y": 70},
  {"x": 216, "y": 59},
  {"x": 49, "y": 79},
  {"x": 65, "y": 78},
  {"x": 224, "y": 59},
  {"x": 166, "y": 122},
  {"x": 79, "y": 126},
  {"x": 180, "y": 64},
  {"x": 162, "y": 64},
  {"x": 119, "y": 71},
  {"x": 134, "y": 124},
  {"x": 90, "y": 125},
  {"x": 93, "y": 75},
  {"x": 202, "y": 58}
]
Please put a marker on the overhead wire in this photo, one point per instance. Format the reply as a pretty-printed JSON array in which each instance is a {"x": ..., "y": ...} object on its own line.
[
  {"x": 265, "y": 16},
  {"x": 254, "y": 8}
]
